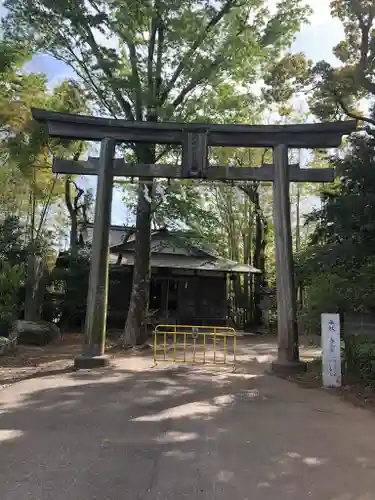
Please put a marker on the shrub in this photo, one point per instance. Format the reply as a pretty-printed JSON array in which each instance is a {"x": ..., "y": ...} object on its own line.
[
  {"x": 65, "y": 300},
  {"x": 11, "y": 278},
  {"x": 323, "y": 295},
  {"x": 360, "y": 358}
]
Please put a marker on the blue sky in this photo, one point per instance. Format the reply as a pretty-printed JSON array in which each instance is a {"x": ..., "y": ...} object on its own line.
[{"x": 316, "y": 40}]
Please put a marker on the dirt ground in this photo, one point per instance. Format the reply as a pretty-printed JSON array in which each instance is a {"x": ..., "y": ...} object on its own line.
[{"x": 31, "y": 361}]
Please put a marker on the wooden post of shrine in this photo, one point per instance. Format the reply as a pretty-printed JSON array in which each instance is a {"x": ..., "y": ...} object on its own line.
[{"x": 96, "y": 310}]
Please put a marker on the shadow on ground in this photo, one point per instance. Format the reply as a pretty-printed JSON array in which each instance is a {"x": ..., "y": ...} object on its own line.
[{"x": 140, "y": 432}]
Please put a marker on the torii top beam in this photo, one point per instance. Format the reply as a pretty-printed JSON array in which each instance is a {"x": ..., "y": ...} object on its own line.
[{"x": 89, "y": 128}]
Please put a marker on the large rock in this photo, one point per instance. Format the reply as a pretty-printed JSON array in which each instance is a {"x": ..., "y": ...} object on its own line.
[
  {"x": 7, "y": 345},
  {"x": 34, "y": 332}
]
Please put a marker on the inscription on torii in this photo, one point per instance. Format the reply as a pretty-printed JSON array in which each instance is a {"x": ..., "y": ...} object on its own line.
[{"x": 195, "y": 140}]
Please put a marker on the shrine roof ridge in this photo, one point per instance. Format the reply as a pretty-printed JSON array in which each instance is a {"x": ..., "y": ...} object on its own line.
[{"x": 82, "y": 127}]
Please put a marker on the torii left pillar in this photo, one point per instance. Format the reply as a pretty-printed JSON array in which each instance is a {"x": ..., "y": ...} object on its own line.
[{"x": 96, "y": 310}]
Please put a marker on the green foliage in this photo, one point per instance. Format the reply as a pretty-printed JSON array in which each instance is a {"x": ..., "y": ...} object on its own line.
[
  {"x": 334, "y": 91},
  {"x": 10, "y": 278},
  {"x": 337, "y": 269},
  {"x": 12, "y": 55},
  {"x": 151, "y": 60},
  {"x": 360, "y": 358},
  {"x": 337, "y": 90},
  {"x": 345, "y": 223},
  {"x": 67, "y": 294},
  {"x": 184, "y": 205},
  {"x": 326, "y": 292},
  {"x": 29, "y": 188},
  {"x": 12, "y": 240},
  {"x": 286, "y": 76},
  {"x": 74, "y": 305},
  {"x": 25, "y": 151},
  {"x": 330, "y": 287},
  {"x": 12, "y": 271}
]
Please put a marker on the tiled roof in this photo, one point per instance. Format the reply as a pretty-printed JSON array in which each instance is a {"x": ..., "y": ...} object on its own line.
[
  {"x": 180, "y": 252},
  {"x": 189, "y": 263}
]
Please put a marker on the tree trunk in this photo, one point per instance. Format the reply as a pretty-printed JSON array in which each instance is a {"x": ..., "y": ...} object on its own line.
[
  {"x": 248, "y": 260},
  {"x": 257, "y": 259},
  {"x": 233, "y": 248},
  {"x": 74, "y": 234},
  {"x": 73, "y": 206},
  {"x": 73, "y": 237},
  {"x": 33, "y": 292},
  {"x": 298, "y": 241},
  {"x": 238, "y": 293},
  {"x": 34, "y": 271},
  {"x": 298, "y": 228},
  {"x": 135, "y": 331}
]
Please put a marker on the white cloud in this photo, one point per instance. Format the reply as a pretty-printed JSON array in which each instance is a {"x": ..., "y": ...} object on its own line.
[
  {"x": 322, "y": 13},
  {"x": 323, "y": 32},
  {"x": 2, "y": 9}
]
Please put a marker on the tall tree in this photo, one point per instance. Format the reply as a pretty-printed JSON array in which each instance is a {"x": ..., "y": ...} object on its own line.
[
  {"x": 20, "y": 139},
  {"x": 337, "y": 267},
  {"x": 334, "y": 91},
  {"x": 25, "y": 151},
  {"x": 155, "y": 60},
  {"x": 29, "y": 188},
  {"x": 339, "y": 89}
]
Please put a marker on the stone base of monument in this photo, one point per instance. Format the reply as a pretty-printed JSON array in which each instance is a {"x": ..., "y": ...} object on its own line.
[
  {"x": 90, "y": 362},
  {"x": 288, "y": 368}
]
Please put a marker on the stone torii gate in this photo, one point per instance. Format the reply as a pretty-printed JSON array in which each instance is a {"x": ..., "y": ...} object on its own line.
[{"x": 195, "y": 140}]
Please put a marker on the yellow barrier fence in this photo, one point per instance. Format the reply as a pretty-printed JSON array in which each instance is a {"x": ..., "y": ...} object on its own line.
[{"x": 195, "y": 344}]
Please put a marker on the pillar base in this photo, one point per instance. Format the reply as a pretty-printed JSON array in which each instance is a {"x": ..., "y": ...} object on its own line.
[
  {"x": 287, "y": 368},
  {"x": 90, "y": 362}
]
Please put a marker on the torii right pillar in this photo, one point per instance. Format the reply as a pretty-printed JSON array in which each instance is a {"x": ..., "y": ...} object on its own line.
[{"x": 288, "y": 361}]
